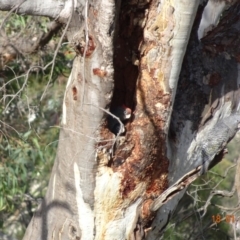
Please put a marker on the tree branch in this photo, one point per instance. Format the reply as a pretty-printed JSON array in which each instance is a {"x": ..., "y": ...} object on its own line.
[{"x": 38, "y": 7}]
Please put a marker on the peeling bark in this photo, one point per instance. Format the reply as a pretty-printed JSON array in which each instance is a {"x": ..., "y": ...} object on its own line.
[{"x": 208, "y": 90}]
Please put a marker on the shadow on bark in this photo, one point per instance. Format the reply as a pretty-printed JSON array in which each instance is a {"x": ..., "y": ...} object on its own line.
[{"x": 42, "y": 213}]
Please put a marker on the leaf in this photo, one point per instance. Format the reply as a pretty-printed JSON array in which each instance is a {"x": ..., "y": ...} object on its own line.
[
  {"x": 26, "y": 135},
  {"x": 35, "y": 141}
]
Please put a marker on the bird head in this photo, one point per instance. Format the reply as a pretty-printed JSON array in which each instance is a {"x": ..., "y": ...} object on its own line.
[{"x": 127, "y": 112}]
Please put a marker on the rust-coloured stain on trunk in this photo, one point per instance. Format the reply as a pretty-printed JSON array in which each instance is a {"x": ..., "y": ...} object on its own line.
[
  {"x": 141, "y": 66},
  {"x": 145, "y": 161}
]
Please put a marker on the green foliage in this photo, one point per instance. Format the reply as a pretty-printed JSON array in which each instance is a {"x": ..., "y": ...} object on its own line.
[
  {"x": 28, "y": 132},
  {"x": 30, "y": 25},
  {"x": 27, "y": 155},
  {"x": 24, "y": 160},
  {"x": 233, "y": 149}
]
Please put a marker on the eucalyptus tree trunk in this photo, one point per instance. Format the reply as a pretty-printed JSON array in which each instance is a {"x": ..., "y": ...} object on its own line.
[{"x": 131, "y": 52}]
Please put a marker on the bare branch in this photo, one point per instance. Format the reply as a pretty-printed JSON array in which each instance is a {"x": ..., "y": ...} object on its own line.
[
  {"x": 38, "y": 7},
  {"x": 218, "y": 193}
]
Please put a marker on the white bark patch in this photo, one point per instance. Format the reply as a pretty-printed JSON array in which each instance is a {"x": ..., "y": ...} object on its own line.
[
  {"x": 64, "y": 111},
  {"x": 54, "y": 184},
  {"x": 106, "y": 199},
  {"x": 210, "y": 17},
  {"x": 123, "y": 228},
  {"x": 66, "y": 12},
  {"x": 184, "y": 13},
  {"x": 85, "y": 214},
  {"x": 115, "y": 218},
  {"x": 131, "y": 217}
]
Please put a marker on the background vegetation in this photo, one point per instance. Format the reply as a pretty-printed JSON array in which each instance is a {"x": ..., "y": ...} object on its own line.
[{"x": 29, "y": 126}]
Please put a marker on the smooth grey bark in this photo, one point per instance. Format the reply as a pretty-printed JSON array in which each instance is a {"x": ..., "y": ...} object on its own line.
[{"x": 68, "y": 207}]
